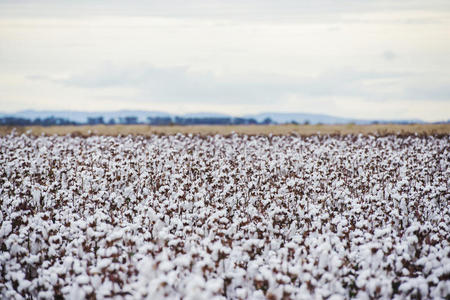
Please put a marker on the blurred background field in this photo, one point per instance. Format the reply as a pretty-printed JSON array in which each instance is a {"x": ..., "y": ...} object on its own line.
[{"x": 114, "y": 130}]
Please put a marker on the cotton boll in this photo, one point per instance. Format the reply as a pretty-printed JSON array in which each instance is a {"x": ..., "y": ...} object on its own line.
[
  {"x": 5, "y": 229},
  {"x": 76, "y": 292},
  {"x": 241, "y": 293},
  {"x": 36, "y": 193}
]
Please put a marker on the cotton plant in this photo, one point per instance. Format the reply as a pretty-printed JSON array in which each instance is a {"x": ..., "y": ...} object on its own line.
[{"x": 224, "y": 217}]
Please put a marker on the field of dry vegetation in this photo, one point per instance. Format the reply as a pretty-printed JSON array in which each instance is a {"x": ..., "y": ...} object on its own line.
[{"x": 114, "y": 130}]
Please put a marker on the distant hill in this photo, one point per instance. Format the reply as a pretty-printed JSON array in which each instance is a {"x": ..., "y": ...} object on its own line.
[
  {"x": 301, "y": 118},
  {"x": 205, "y": 115},
  {"x": 280, "y": 118}
]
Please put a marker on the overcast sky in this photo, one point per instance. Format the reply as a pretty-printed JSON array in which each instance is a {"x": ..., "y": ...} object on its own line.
[{"x": 359, "y": 59}]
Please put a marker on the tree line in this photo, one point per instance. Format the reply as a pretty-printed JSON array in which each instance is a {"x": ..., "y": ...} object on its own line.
[{"x": 132, "y": 120}]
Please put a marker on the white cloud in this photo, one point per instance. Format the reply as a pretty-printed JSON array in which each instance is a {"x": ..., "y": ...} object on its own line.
[{"x": 228, "y": 56}]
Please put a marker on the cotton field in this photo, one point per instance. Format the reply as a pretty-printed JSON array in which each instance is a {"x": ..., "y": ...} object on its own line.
[{"x": 224, "y": 217}]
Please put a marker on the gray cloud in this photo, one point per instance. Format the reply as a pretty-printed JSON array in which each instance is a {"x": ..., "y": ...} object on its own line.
[
  {"x": 175, "y": 84},
  {"x": 178, "y": 84},
  {"x": 282, "y": 10},
  {"x": 389, "y": 55},
  {"x": 438, "y": 91}
]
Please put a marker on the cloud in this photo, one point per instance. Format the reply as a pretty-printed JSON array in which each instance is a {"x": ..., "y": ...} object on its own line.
[
  {"x": 436, "y": 91},
  {"x": 389, "y": 55},
  {"x": 231, "y": 55},
  {"x": 180, "y": 84},
  {"x": 263, "y": 10},
  {"x": 175, "y": 84}
]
